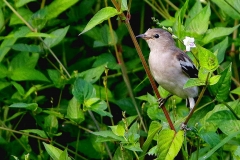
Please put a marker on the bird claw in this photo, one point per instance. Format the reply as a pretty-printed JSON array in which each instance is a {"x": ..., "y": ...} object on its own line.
[
  {"x": 161, "y": 101},
  {"x": 184, "y": 127}
]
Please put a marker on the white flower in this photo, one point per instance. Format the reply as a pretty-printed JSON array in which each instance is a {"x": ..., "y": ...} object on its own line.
[{"x": 189, "y": 43}]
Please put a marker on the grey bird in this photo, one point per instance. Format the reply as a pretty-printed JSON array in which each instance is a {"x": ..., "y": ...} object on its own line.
[{"x": 170, "y": 66}]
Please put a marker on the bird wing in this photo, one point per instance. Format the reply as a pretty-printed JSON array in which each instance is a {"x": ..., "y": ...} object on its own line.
[{"x": 187, "y": 65}]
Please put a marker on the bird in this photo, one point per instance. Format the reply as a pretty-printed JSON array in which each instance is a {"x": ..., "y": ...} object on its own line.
[{"x": 170, "y": 66}]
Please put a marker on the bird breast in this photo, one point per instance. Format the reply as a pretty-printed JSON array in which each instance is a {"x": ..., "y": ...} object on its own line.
[{"x": 169, "y": 75}]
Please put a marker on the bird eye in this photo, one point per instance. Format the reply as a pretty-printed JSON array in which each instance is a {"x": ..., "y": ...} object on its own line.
[{"x": 156, "y": 36}]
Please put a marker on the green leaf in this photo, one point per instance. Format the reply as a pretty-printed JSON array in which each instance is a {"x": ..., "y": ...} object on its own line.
[
  {"x": 219, "y": 145},
  {"x": 54, "y": 152},
  {"x": 221, "y": 49},
  {"x": 219, "y": 117},
  {"x": 58, "y": 6},
  {"x": 99, "y": 17},
  {"x": 26, "y": 48},
  {"x": 126, "y": 105},
  {"x": 214, "y": 79},
  {"x": 176, "y": 145},
  {"x": 128, "y": 121},
  {"x": 36, "y": 34},
  {"x": 169, "y": 144},
  {"x": 83, "y": 90},
  {"x": 4, "y": 84},
  {"x": 91, "y": 101},
  {"x": 207, "y": 59},
  {"x": 3, "y": 71},
  {"x": 21, "y": 32},
  {"x": 122, "y": 154},
  {"x": 118, "y": 130},
  {"x": 203, "y": 74},
  {"x": 193, "y": 82},
  {"x": 19, "y": 88},
  {"x": 21, "y": 3},
  {"x": 211, "y": 138},
  {"x": 59, "y": 35},
  {"x": 41, "y": 133},
  {"x": 54, "y": 113},
  {"x": 230, "y": 126},
  {"x": 181, "y": 13},
  {"x": 6, "y": 46},
  {"x": 100, "y": 108},
  {"x": 17, "y": 114},
  {"x": 236, "y": 91},
  {"x": 133, "y": 147},
  {"x": 103, "y": 92},
  {"x": 27, "y": 74},
  {"x": 2, "y": 19},
  {"x": 124, "y": 5},
  {"x": 39, "y": 19},
  {"x": 64, "y": 155},
  {"x": 110, "y": 135},
  {"x": 222, "y": 88},
  {"x": 106, "y": 59},
  {"x": 194, "y": 11},
  {"x": 178, "y": 27},
  {"x": 199, "y": 23},
  {"x": 108, "y": 37},
  {"x": 154, "y": 128},
  {"x": 93, "y": 74},
  {"x": 217, "y": 32},
  {"x": 132, "y": 134},
  {"x": 58, "y": 80},
  {"x": 230, "y": 7},
  {"x": 74, "y": 112},
  {"x": 24, "y": 12},
  {"x": 51, "y": 125},
  {"x": 24, "y": 60},
  {"x": 30, "y": 106}
]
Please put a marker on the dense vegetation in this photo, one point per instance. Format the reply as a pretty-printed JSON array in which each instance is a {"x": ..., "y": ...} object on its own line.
[{"x": 72, "y": 84}]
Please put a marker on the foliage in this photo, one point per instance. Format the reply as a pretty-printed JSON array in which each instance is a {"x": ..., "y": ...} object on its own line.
[{"x": 73, "y": 87}]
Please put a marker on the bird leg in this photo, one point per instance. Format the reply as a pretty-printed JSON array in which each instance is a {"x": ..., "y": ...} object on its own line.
[
  {"x": 161, "y": 101},
  {"x": 191, "y": 104},
  {"x": 184, "y": 127}
]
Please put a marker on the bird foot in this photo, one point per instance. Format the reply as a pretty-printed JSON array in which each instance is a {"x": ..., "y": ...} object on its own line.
[
  {"x": 161, "y": 101},
  {"x": 184, "y": 127}
]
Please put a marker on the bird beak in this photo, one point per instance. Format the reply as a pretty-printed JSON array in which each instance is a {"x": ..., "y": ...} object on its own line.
[{"x": 143, "y": 36}]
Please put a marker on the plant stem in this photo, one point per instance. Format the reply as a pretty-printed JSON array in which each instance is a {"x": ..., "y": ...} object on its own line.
[
  {"x": 98, "y": 128},
  {"x": 198, "y": 101},
  {"x": 233, "y": 112},
  {"x": 125, "y": 75},
  {"x": 106, "y": 93},
  {"x": 23, "y": 133},
  {"x": 156, "y": 9},
  {"x": 133, "y": 37},
  {"x": 233, "y": 54}
]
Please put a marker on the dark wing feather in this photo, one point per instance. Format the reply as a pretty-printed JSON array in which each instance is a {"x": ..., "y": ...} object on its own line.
[{"x": 187, "y": 65}]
